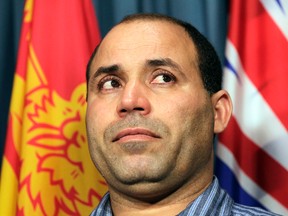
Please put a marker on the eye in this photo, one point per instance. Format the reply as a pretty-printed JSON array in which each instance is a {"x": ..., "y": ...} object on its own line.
[
  {"x": 163, "y": 77},
  {"x": 109, "y": 83}
]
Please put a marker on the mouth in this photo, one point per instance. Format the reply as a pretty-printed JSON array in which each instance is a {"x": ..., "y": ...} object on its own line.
[{"x": 135, "y": 134}]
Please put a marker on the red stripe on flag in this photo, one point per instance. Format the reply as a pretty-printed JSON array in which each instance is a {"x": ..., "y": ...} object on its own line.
[
  {"x": 256, "y": 163},
  {"x": 263, "y": 51},
  {"x": 63, "y": 57}
]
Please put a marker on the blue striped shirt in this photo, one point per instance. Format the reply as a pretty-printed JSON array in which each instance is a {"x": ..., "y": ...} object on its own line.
[{"x": 213, "y": 201}]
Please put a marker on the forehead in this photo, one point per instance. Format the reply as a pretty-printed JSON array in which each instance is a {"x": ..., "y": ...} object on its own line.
[{"x": 146, "y": 39}]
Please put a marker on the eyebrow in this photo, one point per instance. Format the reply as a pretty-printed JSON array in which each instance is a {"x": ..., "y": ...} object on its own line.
[
  {"x": 106, "y": 70},
  {"x": 163, "y": 62}
]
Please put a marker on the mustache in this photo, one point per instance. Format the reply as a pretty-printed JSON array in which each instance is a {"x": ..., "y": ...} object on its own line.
[{"x": 134, "y": 120}]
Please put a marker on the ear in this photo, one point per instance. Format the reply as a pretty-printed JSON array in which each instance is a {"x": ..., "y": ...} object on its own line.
[{"x": 222, "y": 106}]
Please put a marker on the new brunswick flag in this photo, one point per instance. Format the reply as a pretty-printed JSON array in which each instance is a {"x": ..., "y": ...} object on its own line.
[{"x": 46, "y": 168}]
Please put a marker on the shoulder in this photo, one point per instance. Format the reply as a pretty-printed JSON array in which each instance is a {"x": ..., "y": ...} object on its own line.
[{"x": 243, "y": 210}]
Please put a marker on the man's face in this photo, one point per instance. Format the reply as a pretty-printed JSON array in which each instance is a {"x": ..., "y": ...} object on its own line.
[{"x": 149, "y": 118}]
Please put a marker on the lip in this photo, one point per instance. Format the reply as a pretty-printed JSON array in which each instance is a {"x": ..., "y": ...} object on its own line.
[{"x": 129, "y": 134}]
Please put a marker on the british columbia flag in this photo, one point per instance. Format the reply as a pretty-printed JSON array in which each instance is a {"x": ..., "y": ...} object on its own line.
[{"x": 252, "y": 154}]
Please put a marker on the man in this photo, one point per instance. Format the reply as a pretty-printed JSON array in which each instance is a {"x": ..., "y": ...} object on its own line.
[{"x": 154, "y": 106}]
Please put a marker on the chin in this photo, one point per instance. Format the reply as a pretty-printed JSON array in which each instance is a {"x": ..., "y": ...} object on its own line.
[
  {"x": 141, "y": 173},
  {"x": 139, "y": 169},
  {"x": 140, "y": 187},
  {"x": 146, "y": 191}
]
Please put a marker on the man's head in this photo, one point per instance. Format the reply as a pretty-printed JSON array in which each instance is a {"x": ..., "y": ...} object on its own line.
[{"x": 154, "y": 104}]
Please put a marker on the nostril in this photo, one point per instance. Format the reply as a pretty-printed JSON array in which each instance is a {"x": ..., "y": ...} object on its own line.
[
  {"x": 135, "y": 109},
  {"x": 123, "y": 110},
  {"x": 138, "y": 109}
]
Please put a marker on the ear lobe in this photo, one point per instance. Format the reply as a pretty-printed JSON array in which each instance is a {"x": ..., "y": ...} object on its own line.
[{"x": 222, "y": 106}]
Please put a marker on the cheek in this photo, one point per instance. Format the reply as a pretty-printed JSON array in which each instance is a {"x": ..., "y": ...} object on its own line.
[
  {"x": 191, "y": 119},
  {"x": 97, "y": 118},
  {"x": 96, "y": 123},
  {"x": 178, "y": 109},
  {"x": 99, "y": 110}
]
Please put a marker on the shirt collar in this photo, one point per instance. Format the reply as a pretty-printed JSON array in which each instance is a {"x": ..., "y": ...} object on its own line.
[{"x": 209, "y": 201}]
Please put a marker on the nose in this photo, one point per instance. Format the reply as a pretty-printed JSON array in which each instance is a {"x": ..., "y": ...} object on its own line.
[{"x": 134, "y": 98}]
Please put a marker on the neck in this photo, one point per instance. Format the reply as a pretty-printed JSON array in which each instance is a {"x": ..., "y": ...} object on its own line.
[
  {"x": 172, "y": 209},
  {"x": 170, "y": 205}
]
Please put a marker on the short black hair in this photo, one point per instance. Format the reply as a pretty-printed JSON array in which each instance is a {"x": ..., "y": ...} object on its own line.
[{"x": 208, "y": 61}]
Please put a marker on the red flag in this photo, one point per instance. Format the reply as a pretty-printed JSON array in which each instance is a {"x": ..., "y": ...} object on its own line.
[
  {"x": 46, "y": 167},
  {"x": 253, "y": 151}
]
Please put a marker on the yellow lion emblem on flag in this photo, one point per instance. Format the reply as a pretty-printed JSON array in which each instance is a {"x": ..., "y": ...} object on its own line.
[{"x": 57, "y": 176}]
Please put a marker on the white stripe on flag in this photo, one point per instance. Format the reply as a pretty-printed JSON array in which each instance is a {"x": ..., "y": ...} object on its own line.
[
  {"x": 253, "y": 114},
  {"x": 247, "y": 183},
  {"x": 278, "y": 14}
]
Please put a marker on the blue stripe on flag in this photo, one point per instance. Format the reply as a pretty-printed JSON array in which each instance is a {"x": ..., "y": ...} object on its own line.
[
  {"x": 229, "y": 183},
  {"x": 280, "y": 5},
  {"x": 229, "y": 66}
]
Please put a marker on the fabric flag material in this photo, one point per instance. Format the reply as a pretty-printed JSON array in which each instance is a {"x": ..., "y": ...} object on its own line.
[
  {"x": 46, "y": 168},
  {"x": 252, "y": 154}
]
